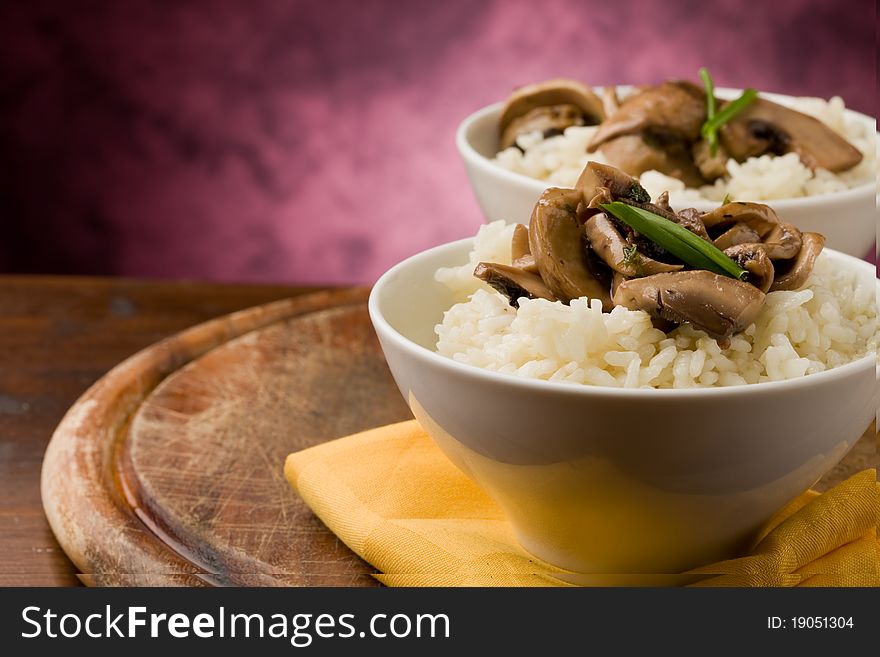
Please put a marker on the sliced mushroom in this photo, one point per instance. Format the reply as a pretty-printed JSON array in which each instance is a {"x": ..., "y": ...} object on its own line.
[
  {"x": 638, "y": 153},
  {"x": 610, "y": 101},
  {"x": 513, "y": 283},
  {"x": 622, "y": 257},
  {"x": 754, "y": 259},
  {"x": 796, "y": 274},
  {"x": 757, "y": 216},
  {"x": 616, "y": 279},
  {"x": 710, "y": 166},
  {"x": 690, "y": 218},
  {"x": 719, "y": 305},
  {"x": 662, "y": 202},
  {"x": 783, "y": 242},
  {"x": 736, "y": 234},
  {"x": 520, "y": 253},
  {"x": 674, "y": 108},
  {"x": 601, "y": 183},
  {"x": 766, "y": 127},
  {"x": 550, "y": 121},
  {"x": 556, "y": 240},
  {"x": 602, "y": 195},
  {"x": 519, "y": 244},
  {"x": 557, "y": 92},
  {"x": 596, "y": 176}
]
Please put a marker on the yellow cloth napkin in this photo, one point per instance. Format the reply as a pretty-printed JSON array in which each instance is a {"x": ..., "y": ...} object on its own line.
[{"x": 393, "y": 497}]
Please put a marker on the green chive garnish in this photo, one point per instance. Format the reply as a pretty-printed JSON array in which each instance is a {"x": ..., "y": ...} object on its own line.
[
  {"x": 710, "y": 92},
  {"x": 734, "y": 107},
  {"x": 710, "y": 108},
  {"x": 679, "y": 241}
]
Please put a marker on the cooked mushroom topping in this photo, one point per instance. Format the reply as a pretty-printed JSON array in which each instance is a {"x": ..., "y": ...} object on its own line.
[
  {"x": 783, "y": 242},
  {"x": 636, "y": 154},
  {"x": 595, "y": 177},
  {"x": 690, "y": 218},
  {"x": 558, "y": 92},
  {"x": 605, "y": 240},
  {"x": 719, "y": 305},
  {"x": 676, "y": 128},
  {"x": 759, "y": 217},
  {"x": 520, "y": 252},
  {"x": 601, "y": 195},
  {"x": 623, "y": 258},
  {"x": 513, "y": 282},
  {"x": 754, "y": 259},
  {"x": 676, "y": 109},
  {"x": 736, "y": 234},
  {"x": 662, "y": 202},
  {"x": 801, "y": 267},
  {"x": 710, "y": 166},
  {"x": 557, "y": 242},
  {"x": 519, "y": 245},
  {"x": 766, "y": 127},
  {"x": 616, "y": 279},
  {"x": 550, "y": 121},
  {"x": 610, "y": 101}
]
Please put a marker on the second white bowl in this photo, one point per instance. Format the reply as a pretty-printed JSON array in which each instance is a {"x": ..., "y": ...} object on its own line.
[{"x": 847, "y": 219}]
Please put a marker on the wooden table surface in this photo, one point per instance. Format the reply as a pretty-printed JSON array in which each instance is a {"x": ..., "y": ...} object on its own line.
[{"x": 58, "y": 336}]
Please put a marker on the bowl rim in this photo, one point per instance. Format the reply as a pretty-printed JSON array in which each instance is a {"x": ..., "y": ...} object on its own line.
[
  {"x": 541, "y": 386},
  {"x": 469, "y": 153}
]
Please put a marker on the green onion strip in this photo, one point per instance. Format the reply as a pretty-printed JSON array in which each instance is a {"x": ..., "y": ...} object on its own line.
[
  {"x": 679, "y": 241},
  {"x": 712, "y": 138},
  {"x": 716, "y": 119}
]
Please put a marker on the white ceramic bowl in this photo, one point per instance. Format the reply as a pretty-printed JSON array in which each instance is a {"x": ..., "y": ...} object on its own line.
[
  {"x": 607, "y": 480},
  {"x": 847, "y": 219}
]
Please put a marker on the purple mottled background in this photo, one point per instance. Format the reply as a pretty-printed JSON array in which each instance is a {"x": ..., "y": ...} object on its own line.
[{"x": 313, "y": 141}]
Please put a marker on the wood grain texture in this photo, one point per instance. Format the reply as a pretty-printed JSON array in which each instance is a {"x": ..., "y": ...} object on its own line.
[
  {"x": 182, "y": 484},
  {"x": 58, "y": 335},
  {"x": 204, "y": 453}
]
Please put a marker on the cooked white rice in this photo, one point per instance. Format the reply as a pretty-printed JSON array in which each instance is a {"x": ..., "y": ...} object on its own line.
[
  {"x": 559, "y": 160},
  {"x": 829, "y": 322}
]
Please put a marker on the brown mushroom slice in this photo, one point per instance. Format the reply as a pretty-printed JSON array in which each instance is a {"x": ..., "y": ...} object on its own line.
[
  {"x": 674, "y": 108},
  {"x": 598, "y": 178},
  {"x": 559, "y": 91},
  {"x": 556, "y": 240},
  {"x": 783, "y": 242},
  {"x": 519, "y": 244},
  {"x": 638, "y": 153},
  {"x": 736, "y": 234},
  {"x": 766, "y": 127},
  {"x": 757, "y": 216},
  {"x": 616, "y": 279},
  {"x": 796, "y": 274},
  {"x": 513, "y": 283},
  {"x": 603, "y": 195},
  {"x": 610, "y": 100},
  {"x": 520, "y": 252},
  {"x": 610, "y": 246},
  {"x": 691, "y": 218},
  {"x": 549, "y": 121},
  {"x": 710, "y": 166},
  {"x": 719, "y": 305},
  {"x": 662, "y": 202},
  {"x": 754, "y": 259}
]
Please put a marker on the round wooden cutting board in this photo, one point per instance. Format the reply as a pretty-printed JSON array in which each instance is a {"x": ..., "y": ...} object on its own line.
[{"x": 169, "y": 469}]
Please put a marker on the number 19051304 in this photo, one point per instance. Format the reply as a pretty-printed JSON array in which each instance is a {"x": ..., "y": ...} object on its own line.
[{"x": 809, "y": 622}]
